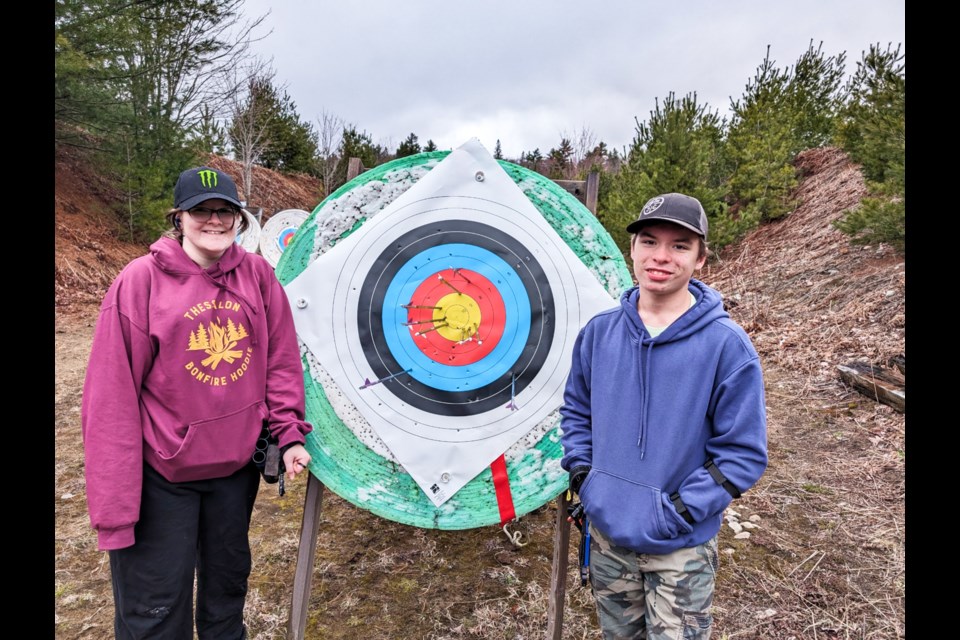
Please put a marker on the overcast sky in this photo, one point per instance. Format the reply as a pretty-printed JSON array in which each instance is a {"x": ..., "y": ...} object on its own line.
[{"x": 528, "y": 71}]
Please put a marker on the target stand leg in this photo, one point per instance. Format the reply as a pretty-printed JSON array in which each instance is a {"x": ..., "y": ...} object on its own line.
[
  {"x": 558, "y": 570},
  {"x": 306, "y": 554},
  {"x": 307, "y": 551}
]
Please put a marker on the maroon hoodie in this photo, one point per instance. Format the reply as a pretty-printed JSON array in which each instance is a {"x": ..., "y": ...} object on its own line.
[{"x": 186, "y": 365}]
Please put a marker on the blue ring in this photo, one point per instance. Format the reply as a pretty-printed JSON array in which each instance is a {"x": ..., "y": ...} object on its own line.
[{"x": 516, "y": 328}]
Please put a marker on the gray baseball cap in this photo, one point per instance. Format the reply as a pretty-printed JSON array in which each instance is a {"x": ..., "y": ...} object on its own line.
[
  {"x": 677, "y": 208},
  {"x": 203, "y": 183}
]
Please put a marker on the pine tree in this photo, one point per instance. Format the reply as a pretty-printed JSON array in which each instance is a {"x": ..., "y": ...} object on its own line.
[
  {"x": 560, "y": 161},
  {"x": 291, "y": 144},
  {"x": 595, "y": 159},
  {"x": 203, "y": 340},
  {"x": 497, "y": 151},
  {"x": 208, "y": 135},
  {"x": 815, "y": 97},
  {"x": 678, "y": 149},
  {"x": 355, "y": 144},
  {"x": 872, "y": 129},
  {"x": 782, "y": 112},
  {"x": 761, "y": 145},
  {"x": 232, "y": 331},
  {"x": 532, "y": 160},
  {"x": 131, "y": 78},
  {"x": 408, "y": 147}
]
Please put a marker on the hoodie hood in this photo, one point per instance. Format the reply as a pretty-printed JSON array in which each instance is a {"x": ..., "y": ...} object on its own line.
[
  {"x": 173, "y": 260},
  {"x": 708, "y": 308}
]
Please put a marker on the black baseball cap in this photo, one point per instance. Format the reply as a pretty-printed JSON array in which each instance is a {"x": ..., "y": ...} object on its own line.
[
  {"x": 203, "y": 183},
  {"x": 677, "y": 208}
]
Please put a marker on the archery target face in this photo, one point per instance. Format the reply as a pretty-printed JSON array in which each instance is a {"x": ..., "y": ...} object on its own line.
[
  {"x": 448, "y": 320},
  {"x": 457, "y": 326},
  {"x": 461, "y": 310},
  {"x": 468, "y": 343},
  {"x": 249, "y": 239},
  {"x": 278, "y": 232}
]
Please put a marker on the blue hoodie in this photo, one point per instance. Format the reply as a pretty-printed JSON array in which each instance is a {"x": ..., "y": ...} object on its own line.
[{"x": 646, "y": 414}]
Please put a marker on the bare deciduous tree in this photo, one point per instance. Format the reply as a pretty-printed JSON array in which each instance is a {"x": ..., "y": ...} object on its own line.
[
  {"x": 584, "y": 140},
  {"x": 249, "y": 117},
  {"x": 329, "y": 136}
]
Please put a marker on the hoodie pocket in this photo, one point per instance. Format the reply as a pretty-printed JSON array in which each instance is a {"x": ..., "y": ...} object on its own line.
[
  {"x": 630, "y": 514},
  {"x": 213, "y": 448}
]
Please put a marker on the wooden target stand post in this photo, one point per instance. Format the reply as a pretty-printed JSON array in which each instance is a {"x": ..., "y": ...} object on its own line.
[
  {"x": 587, "y": 192},
  {"x": 310, "y": 526}
]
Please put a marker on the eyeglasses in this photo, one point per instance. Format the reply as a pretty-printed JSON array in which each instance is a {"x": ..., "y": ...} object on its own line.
[{"x": 202, "y": 214}]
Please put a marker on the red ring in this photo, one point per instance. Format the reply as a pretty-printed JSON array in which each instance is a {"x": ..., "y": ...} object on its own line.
[{"x": 492, "y": 317}]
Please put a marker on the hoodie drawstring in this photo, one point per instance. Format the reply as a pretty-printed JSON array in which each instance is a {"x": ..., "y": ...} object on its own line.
[
  {"x": 705, "y": 308},
  {"x": 645, "y": 373}
]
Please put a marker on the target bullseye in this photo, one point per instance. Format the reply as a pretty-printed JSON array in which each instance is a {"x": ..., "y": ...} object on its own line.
[
  {"x": 285, "y": 236},
  {"x": 459, "y": 315}
]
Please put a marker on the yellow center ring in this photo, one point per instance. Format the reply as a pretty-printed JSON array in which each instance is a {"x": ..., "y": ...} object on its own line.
[{"x": 457, "y": 318}]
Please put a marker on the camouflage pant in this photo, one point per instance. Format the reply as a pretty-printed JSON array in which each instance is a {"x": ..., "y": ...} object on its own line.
[{"x": 655, "y": 597}]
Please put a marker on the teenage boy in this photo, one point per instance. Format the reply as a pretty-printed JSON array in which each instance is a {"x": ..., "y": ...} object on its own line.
[{"x": 663, "y": 425}]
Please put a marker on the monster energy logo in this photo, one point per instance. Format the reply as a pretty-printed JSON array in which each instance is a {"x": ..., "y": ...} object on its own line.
[{"x": 208, "y": 178}]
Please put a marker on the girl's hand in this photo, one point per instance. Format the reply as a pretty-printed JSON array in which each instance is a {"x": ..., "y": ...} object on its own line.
[{"x": 296, "y": 459}]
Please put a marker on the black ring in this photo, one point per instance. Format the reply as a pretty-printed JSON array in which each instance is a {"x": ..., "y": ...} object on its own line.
[{"x": 412, "y": 391}]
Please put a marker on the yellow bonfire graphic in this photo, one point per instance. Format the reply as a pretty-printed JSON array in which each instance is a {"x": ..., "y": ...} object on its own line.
[{"x": 217, "y": 342}]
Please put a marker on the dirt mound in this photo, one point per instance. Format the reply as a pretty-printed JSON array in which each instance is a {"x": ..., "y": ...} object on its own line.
[
  {"x": 808, "y": 298},
  {"x": 89, "y": 246},
  {"x": 92, "y": 240},
  {"x": 274, "y": 191}
]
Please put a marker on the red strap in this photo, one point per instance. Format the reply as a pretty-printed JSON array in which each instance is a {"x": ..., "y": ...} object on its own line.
[{"x": 501, "y": 483}]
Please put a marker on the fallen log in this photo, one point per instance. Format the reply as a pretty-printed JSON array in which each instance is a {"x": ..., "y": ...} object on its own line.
[
  {"x": 882, "y": 385},
  {"x": 900, "y": 362}
]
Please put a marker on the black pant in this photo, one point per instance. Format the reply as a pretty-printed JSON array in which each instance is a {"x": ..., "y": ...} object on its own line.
[{"x": 185, "y": 526}]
